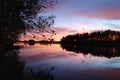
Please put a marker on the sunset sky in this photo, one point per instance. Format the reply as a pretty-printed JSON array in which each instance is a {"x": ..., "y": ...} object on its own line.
[{"x": 79, "y": 16}]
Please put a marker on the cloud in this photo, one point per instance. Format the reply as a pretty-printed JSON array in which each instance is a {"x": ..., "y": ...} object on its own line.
[
  {"x": 62, "y": 32},
  {"x": 105, "y": 9},
  {"x": 65, "y": 30},
  {"x": 102, "y": 14}
]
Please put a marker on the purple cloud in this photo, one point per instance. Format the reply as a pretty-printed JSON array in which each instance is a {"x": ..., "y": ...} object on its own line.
[{"x": 105, "y": 9}]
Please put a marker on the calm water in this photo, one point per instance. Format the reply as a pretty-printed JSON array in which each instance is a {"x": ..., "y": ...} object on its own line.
[{"x": 69, "y": 65}]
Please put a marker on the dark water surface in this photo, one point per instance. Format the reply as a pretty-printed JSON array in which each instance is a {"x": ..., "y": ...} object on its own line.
[{"x": 71, "y": 65}]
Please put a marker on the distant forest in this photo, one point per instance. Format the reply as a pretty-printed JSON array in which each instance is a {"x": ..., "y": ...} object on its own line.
[
  {"x": 99, "y": 43},
  {"x": 108, "y": 37}
]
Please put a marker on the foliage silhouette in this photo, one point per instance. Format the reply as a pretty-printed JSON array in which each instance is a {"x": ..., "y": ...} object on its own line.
[
  {"x": 31, "y": 42},
  {"x": 11, "y": 68},
  {"x": 20, "y": 16},
  {"x": 99, "y": 38},
  {"x": 101, "y": 43}
]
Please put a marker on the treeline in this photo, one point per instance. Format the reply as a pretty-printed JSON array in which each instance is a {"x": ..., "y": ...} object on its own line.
[
  {"x": 99, "y": 43},
  {"x": 95, "y": 38}
]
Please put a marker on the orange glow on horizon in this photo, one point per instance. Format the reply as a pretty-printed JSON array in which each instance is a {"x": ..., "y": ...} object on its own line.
[
  {"x": 56, "y": 38},
  {"x": 62, "y": 32}
]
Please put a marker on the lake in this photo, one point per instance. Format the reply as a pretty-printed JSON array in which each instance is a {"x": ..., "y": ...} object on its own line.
[{"x": 66, "y": 64}]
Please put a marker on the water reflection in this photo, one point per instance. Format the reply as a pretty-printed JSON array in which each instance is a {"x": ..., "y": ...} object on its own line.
[
  {"x": 12, "y": 68},
  {"x": 106, "y": 51},
  {"x": 68, "y": 65}
]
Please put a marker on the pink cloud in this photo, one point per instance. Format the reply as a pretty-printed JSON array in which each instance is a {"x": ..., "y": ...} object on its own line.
[
  {"x": 65, "y": 30},
  {"x": 103, "y": 13},
  {"x": 62, "y": 32}
]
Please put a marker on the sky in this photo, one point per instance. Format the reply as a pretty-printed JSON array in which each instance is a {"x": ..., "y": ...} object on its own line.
[{"x": 80, "y": 16}]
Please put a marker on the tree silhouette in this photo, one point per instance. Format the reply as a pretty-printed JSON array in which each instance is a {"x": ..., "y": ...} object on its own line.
[
  {"x": 99, "y": 43},
  {"x": 98, "y": 37},
  {"x": 20, "y": 16},
  {"x": 12, "y": 68}
]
